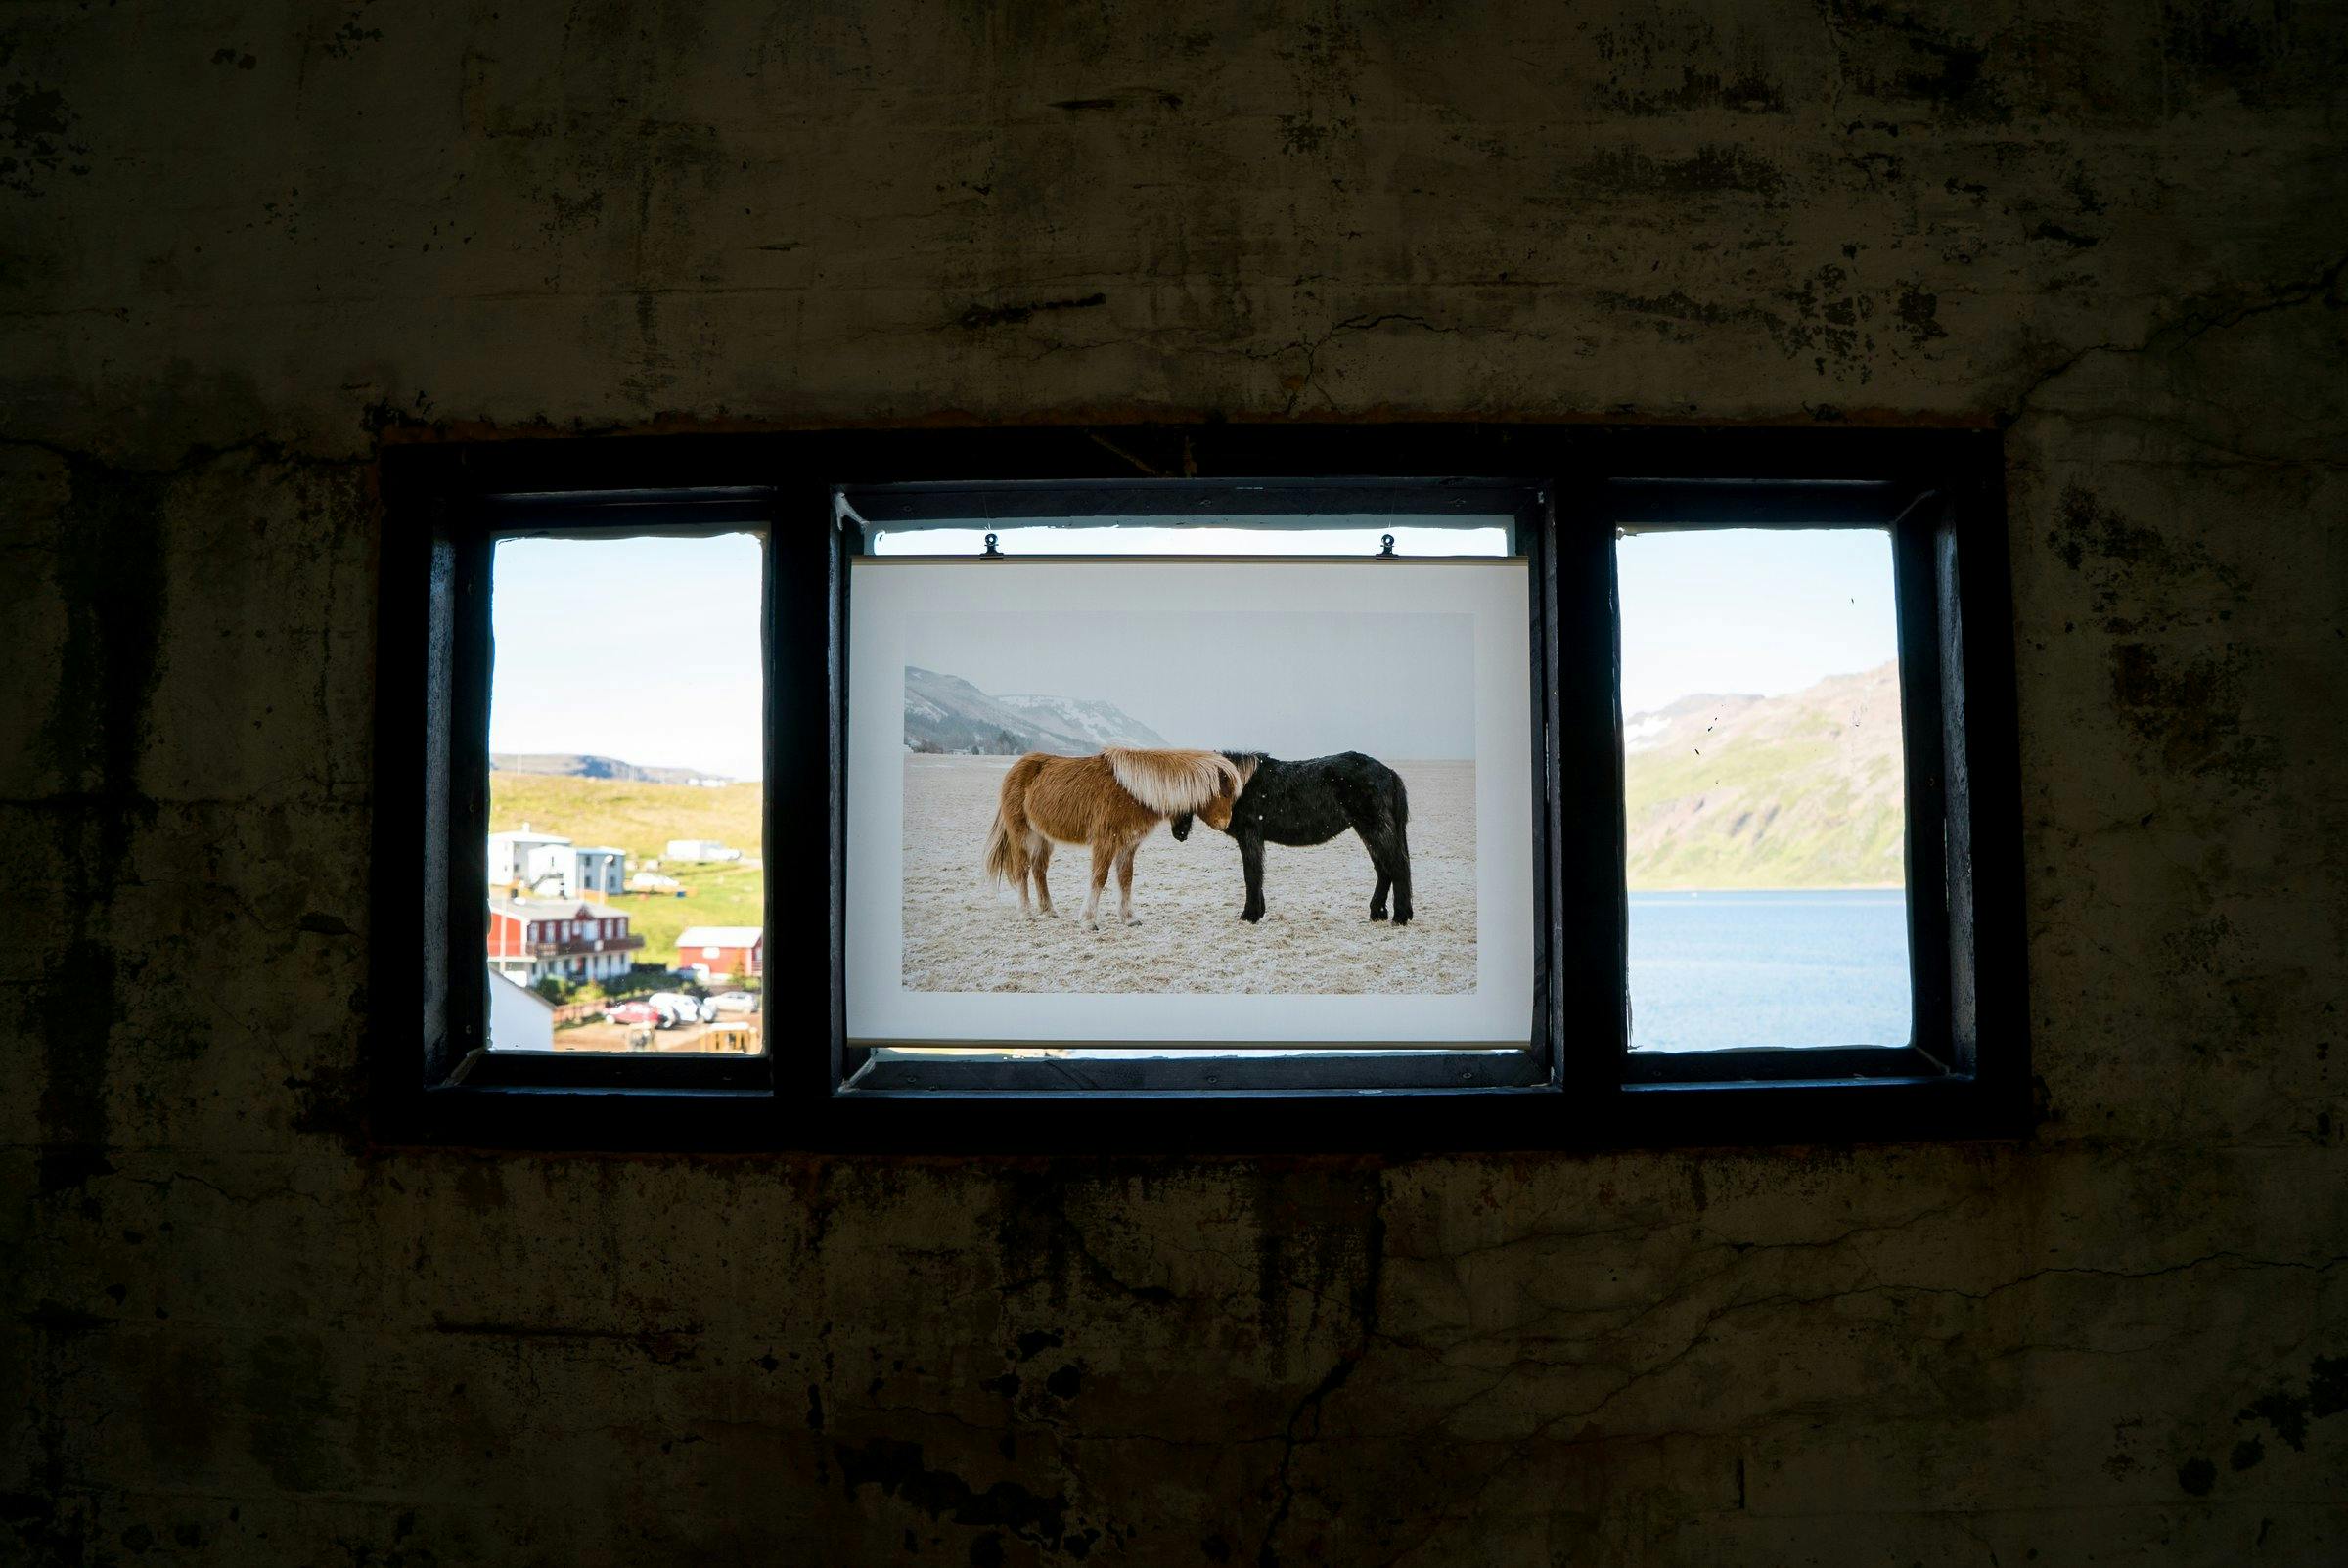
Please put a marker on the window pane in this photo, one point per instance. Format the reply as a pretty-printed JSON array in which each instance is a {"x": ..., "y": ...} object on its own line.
[
  {"x": 1764, "y": 789},
  {"x": 627, "y": 884}
]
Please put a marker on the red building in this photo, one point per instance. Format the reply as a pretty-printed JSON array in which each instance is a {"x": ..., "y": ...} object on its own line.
[
  {"x": 533, "y": 938},
  {"x": 719, "y": 951}
]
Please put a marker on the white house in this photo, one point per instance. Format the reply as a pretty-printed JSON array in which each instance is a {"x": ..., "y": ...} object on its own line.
[
  {"x": 519, "y": 856},
  {"x": 699, "y": 849},
  {"x": 520, "y": 1019},
  {"x": 599, "y": 871}
]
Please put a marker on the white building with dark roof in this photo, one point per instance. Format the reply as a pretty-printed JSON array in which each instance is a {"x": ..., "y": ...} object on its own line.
[{"x": 525, "y": 859}]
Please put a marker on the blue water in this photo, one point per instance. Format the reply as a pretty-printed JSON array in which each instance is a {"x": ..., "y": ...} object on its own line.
[{"x": 1710, "y": 970}]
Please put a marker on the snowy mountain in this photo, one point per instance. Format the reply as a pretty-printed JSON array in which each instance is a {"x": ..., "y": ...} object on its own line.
[
  {"x": 947, "y": 713},
  {"x": 1102, "y": 723}
]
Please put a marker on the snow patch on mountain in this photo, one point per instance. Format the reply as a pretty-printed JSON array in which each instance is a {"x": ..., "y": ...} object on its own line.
[
  {"x": 948, "y": 714},
  {"x": 1101, "y": 723}
]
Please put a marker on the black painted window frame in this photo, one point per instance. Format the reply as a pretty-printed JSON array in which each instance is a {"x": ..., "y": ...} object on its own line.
[{"x": 1965, "y": 1074}]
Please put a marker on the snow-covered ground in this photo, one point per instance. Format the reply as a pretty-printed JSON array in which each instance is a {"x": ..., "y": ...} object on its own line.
[{"x": 963, "y": 933}]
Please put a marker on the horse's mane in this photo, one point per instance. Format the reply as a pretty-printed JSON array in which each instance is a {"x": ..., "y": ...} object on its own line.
[{"x": 1172, "y": 781}]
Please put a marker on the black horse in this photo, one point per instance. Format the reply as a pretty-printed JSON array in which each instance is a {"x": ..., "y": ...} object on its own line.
[{"x": 1312, "y": 802}]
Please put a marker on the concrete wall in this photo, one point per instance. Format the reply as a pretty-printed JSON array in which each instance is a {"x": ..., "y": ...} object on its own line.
[{"x": 243, "y": 244}]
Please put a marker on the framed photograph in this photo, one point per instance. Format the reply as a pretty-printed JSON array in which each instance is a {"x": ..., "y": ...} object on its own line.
[{"x": 1190, "y": 803}]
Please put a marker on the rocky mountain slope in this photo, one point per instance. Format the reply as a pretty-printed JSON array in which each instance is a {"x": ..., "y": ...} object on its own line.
[
  {"x": 1102, "y": 724},
  {"x": 947, "y": 713},
  {"x": 1801, "y": 790}
]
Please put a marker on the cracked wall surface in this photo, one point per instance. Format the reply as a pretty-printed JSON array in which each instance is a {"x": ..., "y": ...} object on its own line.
[{"x": 243, "y": 248}]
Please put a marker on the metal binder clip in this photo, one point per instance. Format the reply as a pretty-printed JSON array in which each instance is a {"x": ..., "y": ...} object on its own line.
[
  {"x": 1386, "y": 548},
  {"x": 992, "y": 554}
]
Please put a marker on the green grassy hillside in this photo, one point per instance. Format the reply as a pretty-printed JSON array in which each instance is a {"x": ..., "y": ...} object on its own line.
[
  {"x": 1801, "y": 790},
  {"x": 641, "y": 819}
]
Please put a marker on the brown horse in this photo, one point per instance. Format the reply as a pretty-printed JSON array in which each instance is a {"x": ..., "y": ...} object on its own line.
[{"x": 1109, "y": 803}]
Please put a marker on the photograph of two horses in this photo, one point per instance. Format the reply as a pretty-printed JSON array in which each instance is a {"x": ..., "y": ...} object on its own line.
[{"x": 1137, "y": 803}]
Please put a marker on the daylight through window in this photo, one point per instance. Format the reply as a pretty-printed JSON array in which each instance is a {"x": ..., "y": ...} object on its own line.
[
  {"x": 627, "y": 884},
  {"x": 1649, "y": 787},
  {"x": 1275, "y": 535},
  {"x": 1763, "y": 790}
]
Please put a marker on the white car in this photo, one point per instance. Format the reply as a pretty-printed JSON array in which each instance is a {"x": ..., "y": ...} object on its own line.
[
  {"x": 677, "y": 1008},
  {"x": 735, "y": 1002}
]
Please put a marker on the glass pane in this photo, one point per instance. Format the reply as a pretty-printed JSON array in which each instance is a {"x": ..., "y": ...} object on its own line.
[
  {"x": 627, "y": 884},
  {"x": 1764, "y": 789}
]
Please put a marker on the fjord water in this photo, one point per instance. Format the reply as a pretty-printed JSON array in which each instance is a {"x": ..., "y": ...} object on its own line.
[
  {"x": 1764, "y": 798},
  {"x": 1711, "y": 970}
]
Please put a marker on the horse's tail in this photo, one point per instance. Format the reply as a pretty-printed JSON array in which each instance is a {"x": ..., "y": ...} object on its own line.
[
  {"x": 1397, "y": 795},
  {"x": 1005, "y": 857},
  {"x": 1002, "y": 853}
]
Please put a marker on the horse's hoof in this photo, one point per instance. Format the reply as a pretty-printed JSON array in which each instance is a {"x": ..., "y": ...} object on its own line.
[
  {"x": 1378, "y": 915},
  {"x": 1252, "y": 916},
  {"x": 1402, "y": 920}
]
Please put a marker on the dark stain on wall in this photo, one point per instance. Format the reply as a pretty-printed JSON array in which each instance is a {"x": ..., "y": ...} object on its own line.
[
  {"x": 111, "y": 566},
  {"x": 978, "y": 317},
  {"x": 1900, "y": 52},
  {"x": 2323, "y": 1395},
  {"x": 2086, "y": 526},
  {"x": 1920, "y": 313},
  {"x": 109, "y": 579},
  {"x": 2187, "y": 709},
  {"x": 1709, "y": 170},
  {"x": 288, "y": 1389},
  {"x": 2249, "y": 48},
  {"x": 36, "y": 139},
  {"x": 898, "y": 1469}
]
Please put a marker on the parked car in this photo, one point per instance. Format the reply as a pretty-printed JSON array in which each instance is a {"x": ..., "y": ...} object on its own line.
[
  {"x": 677, "y": 1008},
  {"x": 632, "y": 1013},
  {"x": 735, "y": 1002}
]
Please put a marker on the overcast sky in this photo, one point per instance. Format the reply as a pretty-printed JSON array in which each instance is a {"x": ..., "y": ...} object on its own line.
[{"x": 1299, "y": 685}]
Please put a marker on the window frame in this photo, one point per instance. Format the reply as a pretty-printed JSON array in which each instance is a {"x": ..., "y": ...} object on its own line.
[{"x": 1941, "y": 493}]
